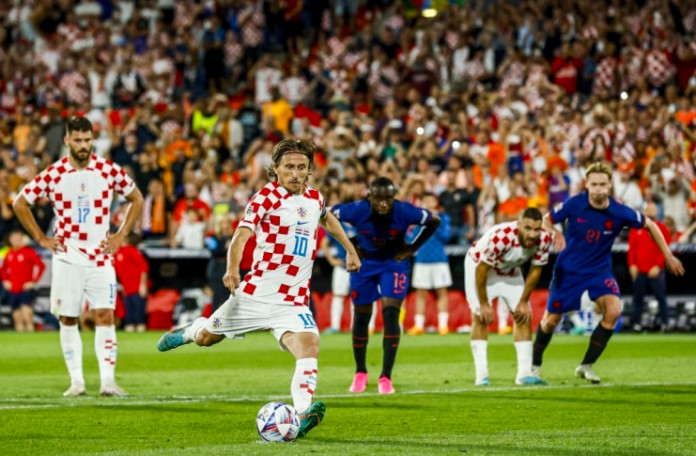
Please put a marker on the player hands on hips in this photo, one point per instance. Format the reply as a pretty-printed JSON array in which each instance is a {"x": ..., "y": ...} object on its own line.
[
  {"x": 284, "y": 215},
  {"x": 381, "y": 224},
  {"x": 592, "y": 221},
  {"x": 492, "y": 270},
  {"x": 80, "y": 187}
]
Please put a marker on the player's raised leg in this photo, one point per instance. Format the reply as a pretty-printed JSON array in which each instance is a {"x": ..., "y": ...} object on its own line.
[{"x": 610, "y": 306}]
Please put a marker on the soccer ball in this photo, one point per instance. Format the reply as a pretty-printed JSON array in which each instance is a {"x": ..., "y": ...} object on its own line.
[{"x": 277, "y": 422}]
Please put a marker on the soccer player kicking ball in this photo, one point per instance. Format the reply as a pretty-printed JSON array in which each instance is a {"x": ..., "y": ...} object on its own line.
[
  {"x": 594, "y": 220},
  {"x": 81, "y": 187},
  {"x": 381, "y": 224},
  {"x": 492, "y": 270},
  {"x": 275, "y": 295}
]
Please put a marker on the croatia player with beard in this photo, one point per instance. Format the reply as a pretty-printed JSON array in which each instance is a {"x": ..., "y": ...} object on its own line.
[
  {"x": 492, "y": 270},
  {"x": 81, "y": 187},
  {"x": 284, "y": 215},
  {"x": 593, "y": 221}
]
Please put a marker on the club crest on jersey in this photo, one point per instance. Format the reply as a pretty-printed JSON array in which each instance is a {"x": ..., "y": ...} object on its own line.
[
  {"x": 217, "y": 323},
  {"x": 302, "y": 212},
  {"x": 608, "y": 227}
]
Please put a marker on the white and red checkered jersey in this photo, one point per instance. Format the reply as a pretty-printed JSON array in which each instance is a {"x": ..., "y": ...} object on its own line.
[
  {"x": 286, "y": 244},
  {"x": 605, "y": 74},
  {"x": 500, "y": 248},
  {"x": 81, "y": 200}
]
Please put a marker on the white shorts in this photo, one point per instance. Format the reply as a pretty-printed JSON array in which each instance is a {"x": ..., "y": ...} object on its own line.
[
  {"x": 508, "y": 289},
  {"x": 340, "y": 281},
  {"x": 72, "y": 284},
  {"x": 240, "y": 315},
  {"x": 431, "y": 276}
]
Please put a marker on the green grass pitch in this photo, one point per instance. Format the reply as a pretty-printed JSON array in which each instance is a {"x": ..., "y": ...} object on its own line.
[{"x": 195, "y": 401}]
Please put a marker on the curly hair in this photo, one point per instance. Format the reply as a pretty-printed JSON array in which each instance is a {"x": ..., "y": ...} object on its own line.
[{"x": 291, "y": 146}]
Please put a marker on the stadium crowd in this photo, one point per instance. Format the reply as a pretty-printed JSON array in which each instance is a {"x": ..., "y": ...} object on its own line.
[{"x": 492, "y": 106}]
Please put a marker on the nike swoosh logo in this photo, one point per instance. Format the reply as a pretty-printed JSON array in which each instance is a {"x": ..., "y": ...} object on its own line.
[
  {"x": 582, "y": 220},
  {"x": 82, "y": 197},
  {"x": 302, "y": 223}
]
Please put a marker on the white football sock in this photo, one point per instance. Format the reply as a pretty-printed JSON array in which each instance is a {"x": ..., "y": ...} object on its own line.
[
  {"x": 192, "y": 331},
  {"x": 443, "y": 319},
  {"x": 479, "y": 348},
  {"x": 336, "y": 312},
  {"x": 304, "y": 383},
  {"x": 524, "y": 358},
  {"x": 419, "y": 321},
  {"x": 105, "y": 348},
  {"x": 71, "y": 343},
  {"x": 503, "y": 314}
]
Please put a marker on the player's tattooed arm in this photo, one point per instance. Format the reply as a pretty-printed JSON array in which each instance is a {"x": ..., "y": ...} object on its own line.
[
  {"x": 672, "y": 262},
  {"x": 23, "y": 211},
  {"x": 409, "y": 250},
  {"x": 486, "y": 311},
  {"x": 334, "y": 228},
  {"x": 232, "y": 277},
  {"x": 557, "y": 238}
]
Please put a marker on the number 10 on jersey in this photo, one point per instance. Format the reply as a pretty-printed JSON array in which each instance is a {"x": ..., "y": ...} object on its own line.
[{"x": 301, "y": 244}]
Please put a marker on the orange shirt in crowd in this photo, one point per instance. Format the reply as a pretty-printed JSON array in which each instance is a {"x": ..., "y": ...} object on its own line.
[
  {"x": 496, "y": 156},
  {"x": 512, "y": 207}
]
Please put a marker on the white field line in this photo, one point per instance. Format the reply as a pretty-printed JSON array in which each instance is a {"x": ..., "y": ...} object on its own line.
[{"x": 7, "y": 404}]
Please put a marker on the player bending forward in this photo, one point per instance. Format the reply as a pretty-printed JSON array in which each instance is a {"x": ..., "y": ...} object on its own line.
[
  {"x": 594, "y": 220},
  {"x": 381, "y": 224},
  {"x": 492, "y": 270},
  {"x": 275, "y": 294},
  {"x": 80, "y": 187}
]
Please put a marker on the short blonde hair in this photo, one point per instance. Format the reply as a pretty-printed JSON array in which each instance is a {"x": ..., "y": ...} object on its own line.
[{"x": 598, "y": 168}]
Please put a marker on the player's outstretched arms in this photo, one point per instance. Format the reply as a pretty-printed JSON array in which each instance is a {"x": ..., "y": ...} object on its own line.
[
  {"x": 22, "y": 210},
  {"x": 232, "y": 277},
  {"x": 557, "y": 239}
]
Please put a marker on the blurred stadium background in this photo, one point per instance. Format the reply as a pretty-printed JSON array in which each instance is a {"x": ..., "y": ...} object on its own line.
[{"x": 493, "y": 106}]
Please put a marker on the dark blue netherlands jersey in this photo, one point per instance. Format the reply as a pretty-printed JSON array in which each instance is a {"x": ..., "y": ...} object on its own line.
[
  {"x": 591, "y": 232},
  {"x": 380, "y": 237}
]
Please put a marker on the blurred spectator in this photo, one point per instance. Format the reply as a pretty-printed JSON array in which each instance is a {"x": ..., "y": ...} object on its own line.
[
  {"x": 21, "y": 270},
  {"x": 647, "y": 266},
  {"x": 132, "y": 271},
  {"x": 218, "y": 243},
  {"x": 190, "y": 233}
]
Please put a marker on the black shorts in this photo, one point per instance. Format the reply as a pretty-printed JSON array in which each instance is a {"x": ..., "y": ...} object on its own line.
[{"x": 16, "y": 300}]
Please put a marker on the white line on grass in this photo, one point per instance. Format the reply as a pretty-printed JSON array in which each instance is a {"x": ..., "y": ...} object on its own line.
[{"x": 176, "y": 399}]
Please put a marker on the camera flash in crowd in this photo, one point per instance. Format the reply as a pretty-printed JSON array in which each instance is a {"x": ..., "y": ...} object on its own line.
[
  {"x": 455, "y": 145},
  {"x": 624, "y": 95},
  {"x": 420, "y": 130}
]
